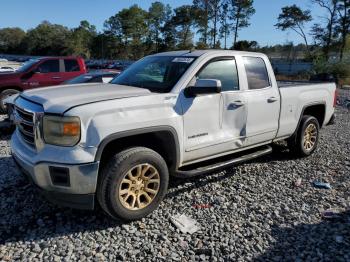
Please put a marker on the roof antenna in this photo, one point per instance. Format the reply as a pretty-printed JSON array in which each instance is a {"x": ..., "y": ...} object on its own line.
[{"x": 192, "y": 50}]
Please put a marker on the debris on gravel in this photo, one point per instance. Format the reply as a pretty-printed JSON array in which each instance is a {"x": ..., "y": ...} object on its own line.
[
  {"x": 185, "y": 224},
  {"x": 253, "y": 211}
]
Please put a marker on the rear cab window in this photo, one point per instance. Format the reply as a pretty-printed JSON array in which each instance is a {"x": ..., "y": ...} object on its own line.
[
  {"x": 257, "y": 75},
  {"x": 71, "y": 65}
]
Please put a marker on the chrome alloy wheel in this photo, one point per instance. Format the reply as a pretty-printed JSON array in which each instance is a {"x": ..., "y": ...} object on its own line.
[{"x": 139, "y": 187}]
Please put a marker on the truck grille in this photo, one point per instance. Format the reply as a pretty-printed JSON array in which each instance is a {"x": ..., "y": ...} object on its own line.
[
  {"x": 25, "y": 124},
  {"x": 27, "y": 116}
]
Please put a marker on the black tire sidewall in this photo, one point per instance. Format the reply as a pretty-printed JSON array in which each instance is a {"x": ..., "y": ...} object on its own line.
[
  {"x": 306, "y": 121},
  {"x": 147, "y": 156}
]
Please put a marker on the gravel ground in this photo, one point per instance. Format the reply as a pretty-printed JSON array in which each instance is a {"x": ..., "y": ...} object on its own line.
[{"x": 250, "y": 212}]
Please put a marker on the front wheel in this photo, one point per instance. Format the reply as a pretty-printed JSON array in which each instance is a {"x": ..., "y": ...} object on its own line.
[
  {"x": 304, "y": 143},
  {"x": 133, "y": 183}
]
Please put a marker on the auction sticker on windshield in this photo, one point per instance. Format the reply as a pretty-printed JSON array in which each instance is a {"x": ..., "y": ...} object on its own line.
[{"x": 186, "y": 60}]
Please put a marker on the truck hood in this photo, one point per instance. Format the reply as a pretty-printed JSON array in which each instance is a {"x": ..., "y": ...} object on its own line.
[{"x": 59, "y": 99}]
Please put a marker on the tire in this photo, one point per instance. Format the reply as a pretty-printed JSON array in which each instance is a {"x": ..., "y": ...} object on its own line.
[
  {"x": 304, "y": 143},
  {"x": 5, "y": 94},
  {"x": 112, "y": 184}
]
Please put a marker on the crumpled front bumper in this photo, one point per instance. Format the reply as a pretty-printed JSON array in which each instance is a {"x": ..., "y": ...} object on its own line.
[
  {"x": 79, "y": 194},
  {"x": 72, "y": 185}
]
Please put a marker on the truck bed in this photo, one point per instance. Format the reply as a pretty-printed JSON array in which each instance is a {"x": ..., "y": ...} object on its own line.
[
  {"x": 286, "y": 84},
  {"x": 296, "y": 95}
]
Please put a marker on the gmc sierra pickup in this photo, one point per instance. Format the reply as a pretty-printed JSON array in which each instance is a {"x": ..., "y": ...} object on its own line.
[{"x": 180, "y": 113}]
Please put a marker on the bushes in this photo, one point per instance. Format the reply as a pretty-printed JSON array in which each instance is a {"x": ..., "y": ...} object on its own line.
[{"x": 340, "y": 70}]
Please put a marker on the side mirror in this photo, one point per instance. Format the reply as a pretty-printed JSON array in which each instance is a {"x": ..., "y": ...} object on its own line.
[{"x": 204, "y": 86}]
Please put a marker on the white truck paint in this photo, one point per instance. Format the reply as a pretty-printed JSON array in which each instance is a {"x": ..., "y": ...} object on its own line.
[{"x": 203, "y": 127}]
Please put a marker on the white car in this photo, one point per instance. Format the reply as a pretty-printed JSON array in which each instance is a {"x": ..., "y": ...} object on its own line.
[
  {"x": 6, "y": 69},
  {"x": 177, "y": 113}
]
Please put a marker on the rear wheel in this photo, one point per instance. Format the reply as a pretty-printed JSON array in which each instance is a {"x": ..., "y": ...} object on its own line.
[
  {"x": 304, "y": 143},
  {"x": 133, "y": 183},
  {"x": 5, "y": 94}
]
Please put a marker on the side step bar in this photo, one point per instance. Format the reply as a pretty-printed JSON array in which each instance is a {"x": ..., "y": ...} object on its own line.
[{"x": 219, "y": 165}]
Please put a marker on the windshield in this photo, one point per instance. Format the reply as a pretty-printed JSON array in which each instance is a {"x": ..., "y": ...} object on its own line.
[
  {"x": 27, "y": 65},
  {"x": 156, "y": 73}
]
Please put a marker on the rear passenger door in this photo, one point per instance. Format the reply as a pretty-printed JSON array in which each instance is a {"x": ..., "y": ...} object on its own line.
[
  {"x": 234, "y": 111},
  {"x": 71, "y": 69},
  {"x": 263, "y": 102}
]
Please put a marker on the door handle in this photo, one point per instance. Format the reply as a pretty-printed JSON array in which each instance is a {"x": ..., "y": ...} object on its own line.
[
  {"x": 237, "y": 103},
  {"x": 56, "y": 77},
  {"x": 272, "y": 99}
]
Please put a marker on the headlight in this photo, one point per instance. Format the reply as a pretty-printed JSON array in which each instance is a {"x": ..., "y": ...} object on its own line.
[{"x": 61, "y": 131}]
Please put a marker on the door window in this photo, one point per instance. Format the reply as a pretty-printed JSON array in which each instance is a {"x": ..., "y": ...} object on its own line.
[
  {"x": 71, "y": 65},
  {"x": 49, "y": 66},
  {"x": 257, "y": 75},
  {"x": 223, "y": 70}
]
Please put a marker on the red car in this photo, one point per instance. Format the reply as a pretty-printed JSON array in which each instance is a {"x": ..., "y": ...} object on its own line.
[{"x": 46, "y": 71}]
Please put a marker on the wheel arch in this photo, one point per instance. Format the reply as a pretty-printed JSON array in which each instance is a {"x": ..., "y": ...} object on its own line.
[
  {"x": 18, "y": 88},
  {"x": 317, "y": 110},
  {"x": 163, "y": 139}
]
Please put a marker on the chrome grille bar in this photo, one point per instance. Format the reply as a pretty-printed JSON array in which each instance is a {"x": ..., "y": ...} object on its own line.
[{"x": 28, "y": 121}]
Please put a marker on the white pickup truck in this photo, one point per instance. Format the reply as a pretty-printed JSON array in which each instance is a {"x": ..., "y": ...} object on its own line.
[{"x": 180, "y": 113}]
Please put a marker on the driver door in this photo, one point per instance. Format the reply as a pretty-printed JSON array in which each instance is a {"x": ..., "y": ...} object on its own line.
[
  {"x": 215, "y": 123},
  {"x": 46, "y": 74}
]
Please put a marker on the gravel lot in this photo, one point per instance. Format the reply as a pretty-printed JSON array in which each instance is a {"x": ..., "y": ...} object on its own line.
[{"x": 250, "y": 212}]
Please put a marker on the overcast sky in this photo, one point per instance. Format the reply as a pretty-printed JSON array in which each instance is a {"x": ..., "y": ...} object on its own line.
[{"x": 29, "y": 13}]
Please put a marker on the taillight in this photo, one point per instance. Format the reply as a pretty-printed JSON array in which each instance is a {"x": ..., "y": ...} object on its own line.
[{"x": 335, "y": 98}]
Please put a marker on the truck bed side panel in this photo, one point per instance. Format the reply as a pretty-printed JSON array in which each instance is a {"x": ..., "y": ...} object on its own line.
[{"x": 294, "y": 99}]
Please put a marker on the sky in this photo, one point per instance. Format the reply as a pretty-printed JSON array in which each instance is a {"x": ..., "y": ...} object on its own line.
[{"x": 28, "y": 14}]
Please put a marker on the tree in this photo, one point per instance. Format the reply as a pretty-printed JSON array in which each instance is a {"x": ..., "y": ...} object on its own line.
[
  {"x": 130, "y": 26},
  {"x": 183, "y": 21},
  {"x": 245, "y": 45},
  {"x": 48, "y": 39},
  {"x": 168, "y": 31},
  {"x": 343, "y": 25},
  {"x": 294, "y": 18},
  {"x": 225, "y": 23},
  {"x": 158, "y": 15},
  {"x": 214, "y": 17},
  {"x": 81, "y": 40},
  {"x": 11, "y": 40},
  {"x": 241, "y": 11},
  {"x": 326, "y": 35},
  {"x": 201, "y": 8},
  {"x": 207, "y": 19},
  {"x": 108, "y": 46}
]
